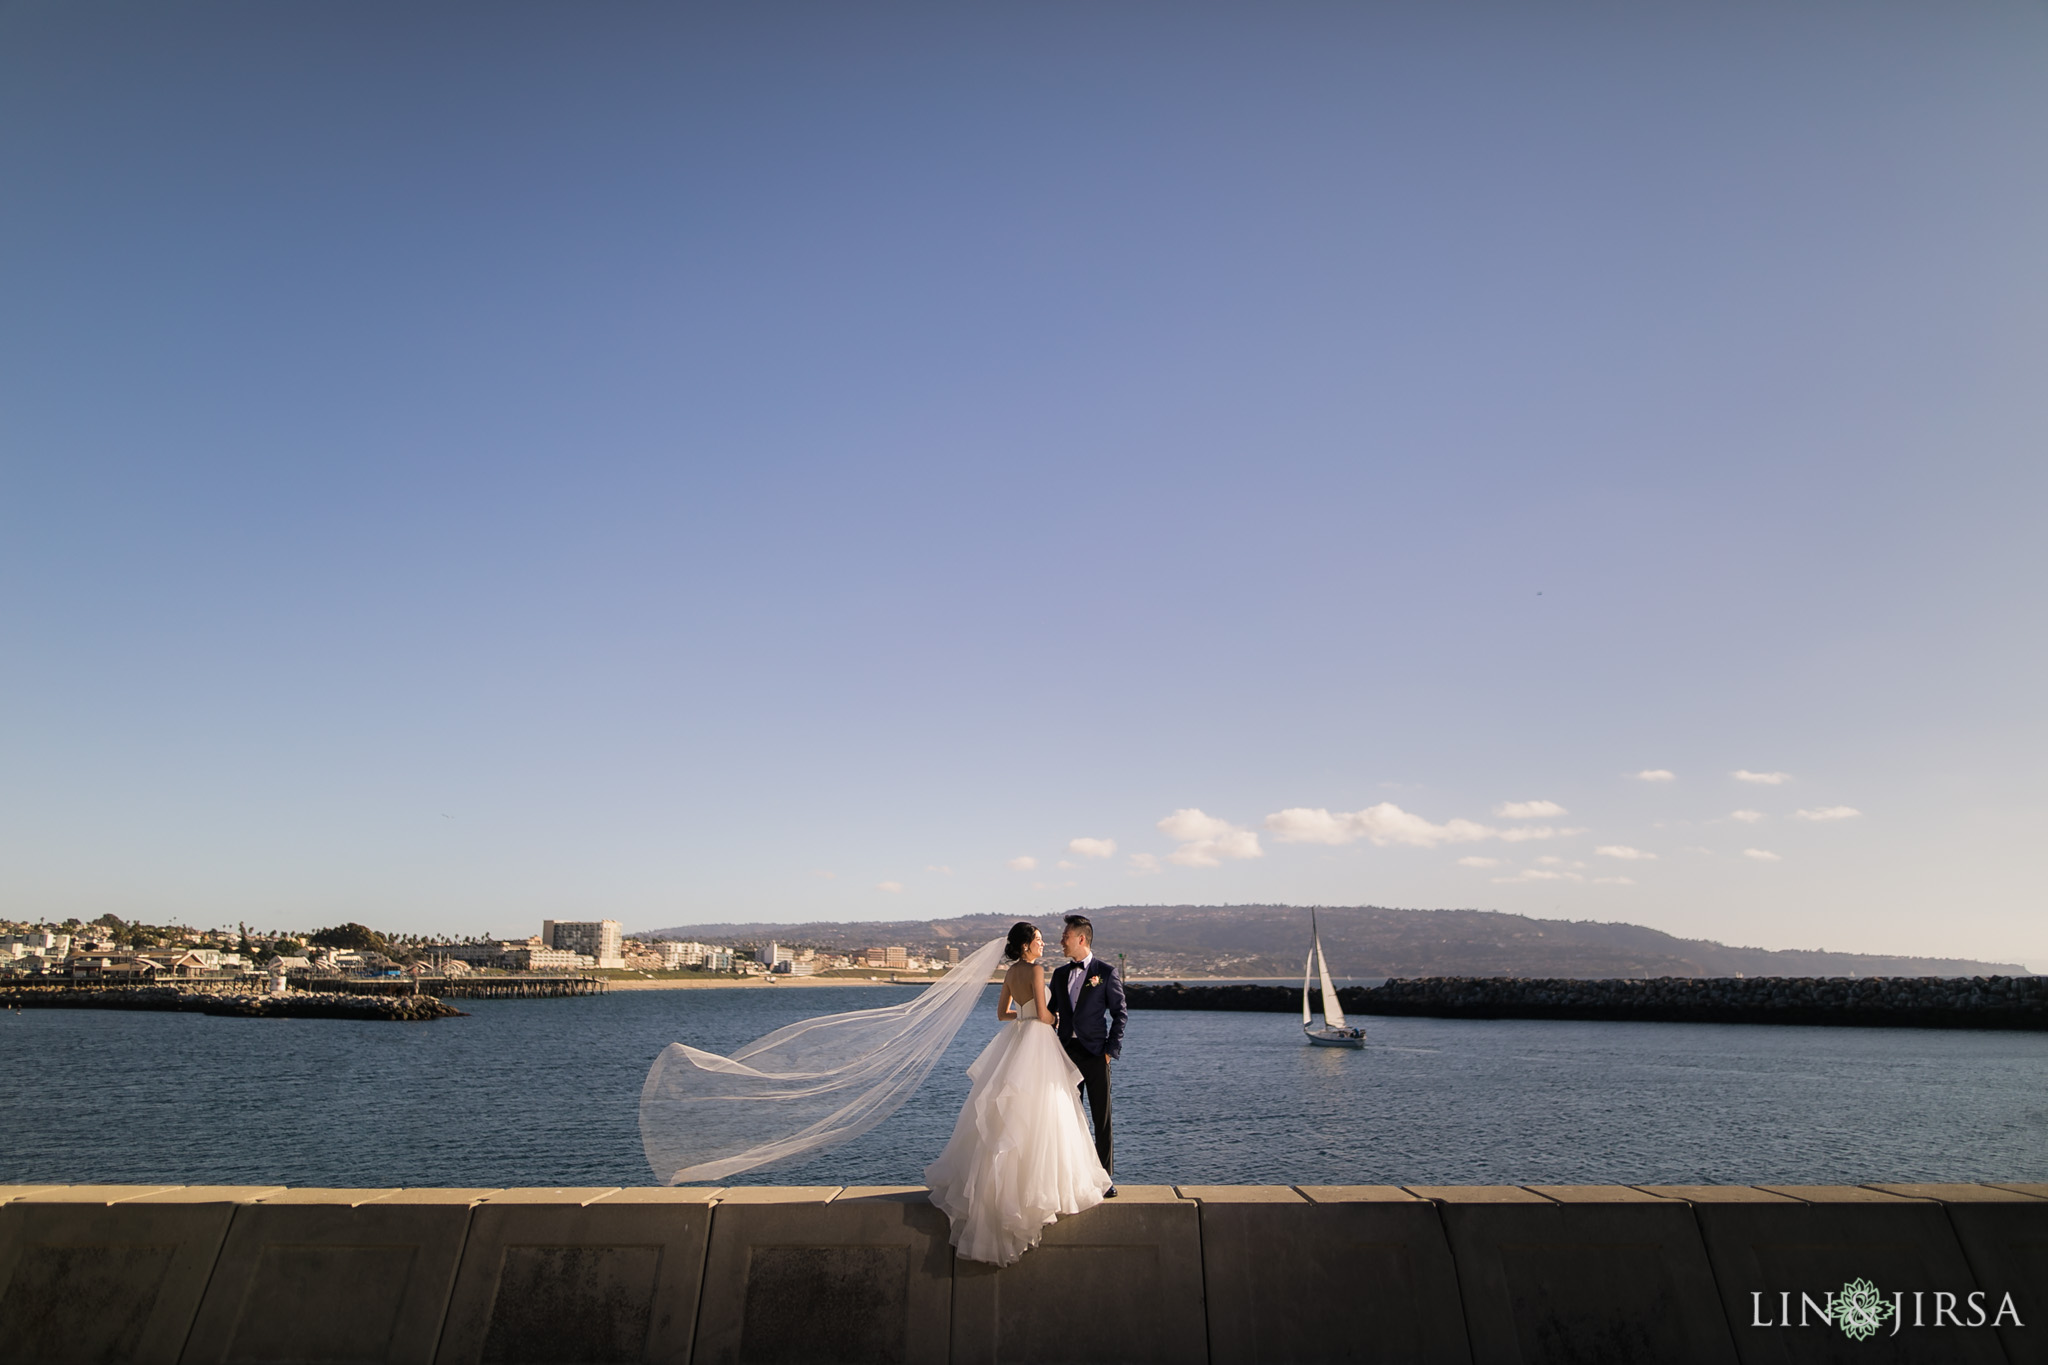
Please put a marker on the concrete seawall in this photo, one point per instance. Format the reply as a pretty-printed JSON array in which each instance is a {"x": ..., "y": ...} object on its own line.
[
  {"x": 1987, "y": 1002},
  {"x": 1221, "y": 1274}
]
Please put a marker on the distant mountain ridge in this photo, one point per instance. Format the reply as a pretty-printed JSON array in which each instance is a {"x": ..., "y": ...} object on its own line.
[{"x": 1364, "y": 940}]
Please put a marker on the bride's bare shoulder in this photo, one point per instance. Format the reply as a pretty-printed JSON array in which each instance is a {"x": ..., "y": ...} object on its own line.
[{"x": 1024, "y": 980}]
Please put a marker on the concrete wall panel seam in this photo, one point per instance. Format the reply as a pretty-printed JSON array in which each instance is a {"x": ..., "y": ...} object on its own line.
[
  {"x": 363, "y": 1281},
  {"x": 703, "y": 1272},
  {"x": 567, "y": 1280},
  {"x": 212, "y": 1267}
]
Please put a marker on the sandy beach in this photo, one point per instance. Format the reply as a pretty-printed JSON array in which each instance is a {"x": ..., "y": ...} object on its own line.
[{"x": 721, "y": 983}]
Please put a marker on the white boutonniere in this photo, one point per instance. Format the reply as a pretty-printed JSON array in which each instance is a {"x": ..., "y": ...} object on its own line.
[{"x": 1095, "y": 981}]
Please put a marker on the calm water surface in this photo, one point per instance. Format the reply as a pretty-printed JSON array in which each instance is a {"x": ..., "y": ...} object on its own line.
[{"x": 546, "y": 1092}]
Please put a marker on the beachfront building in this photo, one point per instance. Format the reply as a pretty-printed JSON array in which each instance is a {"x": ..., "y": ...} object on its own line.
[
  {"x": 641, "y": 957},
  {"x": 34, "y": 954},
  {"x": 534, "y": 958},
  {"x": 675, "y": 956},
  {"x": 709, "y": 956},
  {"x": 485, "y": 954},
  {"x": 515, "y": 955},
  {"x": 36, "y": 944},
  {"x": 601, "y": 940}
]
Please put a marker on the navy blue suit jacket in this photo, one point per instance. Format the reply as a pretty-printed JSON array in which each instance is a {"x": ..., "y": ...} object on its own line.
[{"x": 1096, "y": 1021}]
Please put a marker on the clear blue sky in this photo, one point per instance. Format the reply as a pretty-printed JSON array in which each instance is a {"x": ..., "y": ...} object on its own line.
[{"x": 686, "y": 463}]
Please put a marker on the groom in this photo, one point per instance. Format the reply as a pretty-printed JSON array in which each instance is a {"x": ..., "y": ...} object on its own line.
[{"x": 1088, "y": 1010}]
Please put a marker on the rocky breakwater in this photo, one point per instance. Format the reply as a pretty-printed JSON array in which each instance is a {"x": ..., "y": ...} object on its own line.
[
  {"x": 241, "y": 1004},
  {"x": 1988, "y": 1002}
]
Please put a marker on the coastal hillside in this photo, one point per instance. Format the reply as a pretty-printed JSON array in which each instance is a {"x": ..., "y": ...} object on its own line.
[{"x": 1270, "y": 940}]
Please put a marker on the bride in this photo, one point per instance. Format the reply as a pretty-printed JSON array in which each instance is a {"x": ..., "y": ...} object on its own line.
[{"x": 1020, "y": 1154}]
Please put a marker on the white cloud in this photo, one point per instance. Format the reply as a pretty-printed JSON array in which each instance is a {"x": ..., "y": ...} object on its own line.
[
  {"x": 1614, "y": 881},
  {"x": 1622, "y": 851},
  {"x": 1762, "y": 855},
  {"x": 941, "y": 869},
  {"x": 1206, "y": 841},
  {"x": 1144, "y": 863},
  {"x": 1383, "y": 824},
  {"x": 1387, "y": 824},
  {"x": 1092, "y": 848},
  {"x": 1538, "y": 874},
  {"x": 825, "y": 876},
  {"x": 1065, "y": 866},
  {"x": 1516, "y": 834},
  {"x": 1478, "y": 862},
  {"x": 1022, "y": 863},
  {"x": 1825, "y": 813},
  {"x": 1551, "y": 860},
  {"x": 891, "y": 887},
  {"x": 1761, "y": 779},
  {"x": 1656, "y": 775},
  {"x": 1747, "y": 817},
  {"x": 1529, "y": 810}
]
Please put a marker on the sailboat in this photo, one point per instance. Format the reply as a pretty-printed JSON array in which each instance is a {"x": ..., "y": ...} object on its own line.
[{"x": 1334, "y": 1032}]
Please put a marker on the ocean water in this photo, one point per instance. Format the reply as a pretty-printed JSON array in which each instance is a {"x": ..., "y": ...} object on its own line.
[{"x": 545, "y": 1092}]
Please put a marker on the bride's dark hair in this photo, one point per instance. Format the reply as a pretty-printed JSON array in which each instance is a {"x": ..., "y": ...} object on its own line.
[{"x": 1021, "y": 933}]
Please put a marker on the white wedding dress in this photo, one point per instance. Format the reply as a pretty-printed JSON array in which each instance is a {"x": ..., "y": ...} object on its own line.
[{"x": 1020, "y": 1155}]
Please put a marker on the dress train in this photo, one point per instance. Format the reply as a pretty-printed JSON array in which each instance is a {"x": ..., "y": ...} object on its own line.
[{"x": 1020, "y": 1155}]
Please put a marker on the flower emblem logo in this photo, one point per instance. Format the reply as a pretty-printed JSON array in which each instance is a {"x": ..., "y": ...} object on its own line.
[{"x": 1860, "y": 1310}]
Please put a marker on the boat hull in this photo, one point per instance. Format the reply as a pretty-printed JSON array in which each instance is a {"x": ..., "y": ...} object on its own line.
[{"x": 1336, "y": 1037}]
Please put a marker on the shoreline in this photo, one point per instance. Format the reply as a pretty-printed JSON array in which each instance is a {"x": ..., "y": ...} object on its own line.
[{"x": 747, "y": 983}]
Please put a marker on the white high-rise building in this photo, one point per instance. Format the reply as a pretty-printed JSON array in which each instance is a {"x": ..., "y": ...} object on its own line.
[
  {"x": 601, "y": 940},
  {"x": 675, "y": 955}
]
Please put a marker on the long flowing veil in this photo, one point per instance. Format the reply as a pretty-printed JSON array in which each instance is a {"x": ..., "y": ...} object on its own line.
[{"x": 801, "y": 1089}]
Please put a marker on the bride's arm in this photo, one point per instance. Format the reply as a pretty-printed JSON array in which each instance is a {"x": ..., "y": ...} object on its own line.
[
  {"x": 1039, "y": 997},
  {"x": 1004, "y": 1010}
]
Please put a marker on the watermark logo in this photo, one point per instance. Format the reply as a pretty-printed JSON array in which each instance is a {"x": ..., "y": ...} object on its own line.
[{"x": 1861, "y": 1310}]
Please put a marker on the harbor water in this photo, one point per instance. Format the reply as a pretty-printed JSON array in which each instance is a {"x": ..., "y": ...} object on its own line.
[{"x": 545, "y": 1092}]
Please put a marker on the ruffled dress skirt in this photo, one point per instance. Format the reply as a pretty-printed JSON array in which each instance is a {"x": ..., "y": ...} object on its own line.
[{"x": 1020, "y": 1155}]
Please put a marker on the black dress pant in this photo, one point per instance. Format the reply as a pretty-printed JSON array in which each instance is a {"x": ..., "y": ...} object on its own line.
[{"x": 1095, "y": 1086}]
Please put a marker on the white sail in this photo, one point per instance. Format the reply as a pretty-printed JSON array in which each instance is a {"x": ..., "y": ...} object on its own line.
[
  {"x": 1333, "y": 1013},
  {"x": 1306, "y": 968}
]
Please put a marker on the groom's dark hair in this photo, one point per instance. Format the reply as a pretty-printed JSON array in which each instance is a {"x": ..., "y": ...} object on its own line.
[{"x": 1081, "y": 922}]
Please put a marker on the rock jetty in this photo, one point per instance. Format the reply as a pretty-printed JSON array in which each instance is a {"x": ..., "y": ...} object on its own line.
[
  {"x": 1987, "y": 1002},
  {"x": 238, "y": 1003}
]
